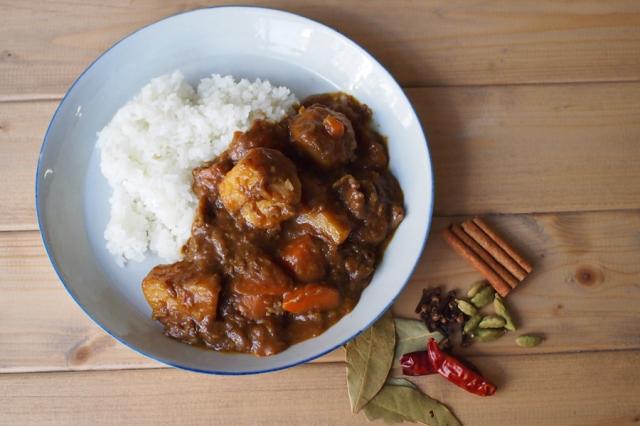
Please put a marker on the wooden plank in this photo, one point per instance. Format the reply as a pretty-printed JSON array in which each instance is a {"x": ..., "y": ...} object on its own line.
[
  {"x": 22, "y": 128},
  {"x": 587, "y": 272},
  {"x": 533, "y": 390},
  {"x": 422, "y": 43},
  {"x": 578, "y": 141},
  {"x": 528, "y": 149}
]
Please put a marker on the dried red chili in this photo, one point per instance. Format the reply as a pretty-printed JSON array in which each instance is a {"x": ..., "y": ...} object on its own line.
[
  {"x": 449, "y": 367},
  {"x": 417, "y": 364}
]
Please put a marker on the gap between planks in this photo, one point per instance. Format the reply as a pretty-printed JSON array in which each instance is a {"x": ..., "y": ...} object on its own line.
[
  {"x": 532, "y": 390},
  {"x": 586, "y": 271},
  {"x": 429, "y": 42},
  {"x": 578, "y": 141},
  {"x": 58, "y": 96}
]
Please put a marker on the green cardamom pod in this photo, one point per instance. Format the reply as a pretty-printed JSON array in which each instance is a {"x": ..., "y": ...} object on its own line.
[
  {"x": 483, "y": 297},
  {"x": 466, "y": 307},
  {"x": 528, "y": 341},
  {"x": 492, "y": 321},
  {"x": 488, "y": 334},
  {"x": 501, "y": 309},
  {"x": 471, "y": 324},
  {"x": 475, "y": 288}
]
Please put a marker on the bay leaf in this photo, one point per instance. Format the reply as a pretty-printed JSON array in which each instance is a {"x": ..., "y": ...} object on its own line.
[
  {"x": 399, "y": 381},
  {"x": 394, "y": 404},
  {"x": 369, "y": 358},
  {"x": 373, "y": 412},
  {"x": 411, "y": 336}
]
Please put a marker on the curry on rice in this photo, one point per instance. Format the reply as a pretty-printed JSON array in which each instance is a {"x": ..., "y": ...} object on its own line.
[{"x": 292, "y": 220}]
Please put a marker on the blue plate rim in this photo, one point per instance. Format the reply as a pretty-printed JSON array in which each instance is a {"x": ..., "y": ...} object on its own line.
[{"x": 49, "y": 251}]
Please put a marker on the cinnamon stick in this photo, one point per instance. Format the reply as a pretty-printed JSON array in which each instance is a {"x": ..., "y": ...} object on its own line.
[
  {"x": 485, "y": 256},
  {"x": 494, "y": 279},
  {"x": 503, "y": 244},
  {"x": 494, "y": 249}
]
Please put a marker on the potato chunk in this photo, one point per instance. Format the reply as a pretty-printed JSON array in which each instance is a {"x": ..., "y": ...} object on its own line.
[
  {"x": 324, "y": 135},
  {"x": 328, "y": 224},
  {"x": 263, "y": 188},
  {"x": 178, "y": 294}
]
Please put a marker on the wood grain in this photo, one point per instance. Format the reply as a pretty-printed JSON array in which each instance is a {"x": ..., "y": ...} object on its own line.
[
  {"x": 559, "y": 158},
  {"x": 584, "y": 293},
  {"x": 22, "y": 128},
  {"x": 42, "y": 327},
  {"x": 425, "y": 42},
  {"x": 586, "y": 274},
  {"x": 512, "y": 149},
  {"x": 522, "y": 149},
  {"x": 533, "y": 390}
]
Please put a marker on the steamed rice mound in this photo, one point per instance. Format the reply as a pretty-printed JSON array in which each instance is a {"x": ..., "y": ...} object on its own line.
[{"x": 153, "y": 142}]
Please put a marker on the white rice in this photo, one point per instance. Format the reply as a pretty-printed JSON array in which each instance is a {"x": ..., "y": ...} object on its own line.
[{"x": 151, "y": 145}]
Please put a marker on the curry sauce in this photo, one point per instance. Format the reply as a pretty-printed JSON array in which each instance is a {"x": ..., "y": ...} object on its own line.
[{"x": 292, "y": 220}]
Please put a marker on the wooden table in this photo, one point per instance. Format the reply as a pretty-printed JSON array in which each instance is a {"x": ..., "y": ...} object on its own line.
[{"x": 532, "y": 109}]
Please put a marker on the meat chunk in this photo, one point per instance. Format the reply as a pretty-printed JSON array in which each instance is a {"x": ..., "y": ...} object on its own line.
[
  {"x": 182, "y": 299},
  {"x": 267, "y": 338},
  {"x": 359, "y": 262},
  {"x": 372, "y": 150},
  {"x": 349, "y": 192},
  {"x": 304, "y": 259},
  {"x": 257, "y": 275},
  {"x": 207, "y": 177},
  {"x": 262, "y": 134},
  {"x": 324, "y": 135},
  {"x": 263, "y": 188},
  {"x": 374, "y": 201},
  {"x": 258, "y": 307},
  {"x": 356, "y": 112}
]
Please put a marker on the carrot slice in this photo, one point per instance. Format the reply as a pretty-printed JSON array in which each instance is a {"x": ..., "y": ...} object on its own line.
[
  {"x": 333, "y": 126},
  {"x": 311, "y": 297}
]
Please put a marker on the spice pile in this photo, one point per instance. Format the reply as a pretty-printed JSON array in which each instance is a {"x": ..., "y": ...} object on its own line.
[
  {"x": 372, "y": 389},
  {"x": 422, "y": 347},
  {"x": 489, "y": 253},
  {"x": 488, "y": 327},
  {"x": 440, "y": 312},
  {"x": 434, "y": 360}
]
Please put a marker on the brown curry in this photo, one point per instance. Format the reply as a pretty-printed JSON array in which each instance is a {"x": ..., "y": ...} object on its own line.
[{"x": 292, "y": 220}]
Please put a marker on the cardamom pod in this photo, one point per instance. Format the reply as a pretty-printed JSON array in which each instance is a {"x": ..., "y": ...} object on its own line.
[
  {"x": 475, "y": 288},
  {"x": 528, "y": 341},
  {"x": 501, "y": 309},
  {"x": 488, "y": 334},
  {"x": 466, "y": 307},
  {"x": 492, "y": 321},
  {"x": 483, "y": 297},
  {"x": 471, "y": 324}
]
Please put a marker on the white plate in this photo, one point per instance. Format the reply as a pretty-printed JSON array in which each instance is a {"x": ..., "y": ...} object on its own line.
[{"x": 72, "y": 196}]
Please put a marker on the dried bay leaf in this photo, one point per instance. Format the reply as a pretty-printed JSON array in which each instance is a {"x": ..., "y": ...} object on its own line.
[
  {"x": 411, "y": 336},
  {"x": 369, "y": 359},
  {"x": 375, "y": 412},
  {"x": 395, "y": 404},
  {"x": 399, "y": 381}
]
